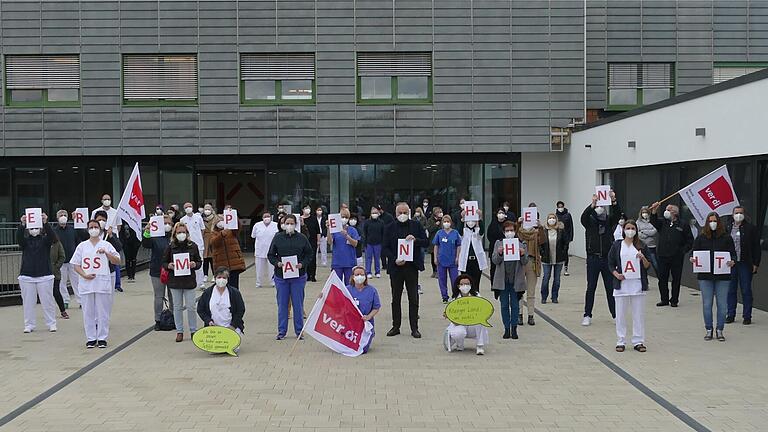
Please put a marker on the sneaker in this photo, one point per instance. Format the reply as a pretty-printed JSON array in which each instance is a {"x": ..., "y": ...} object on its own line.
[
  {"x": 52, "y": 329},
  {"x": 279, "y": 337},
  {"x": 28, "y": 329},
  {"x": 420, "y": 290},
  {"x": 480, "y": 350},
  {"x": 90, "y": 344},
  {"x": 586, "y": 321},
  {"x": 258, "y": 285},
  {"x": 131, "y": 280},
  {"x": 708, "y": 335},
  {"x": 370, "y": 276},
  {"x": 565, "y": 273},
  {"x": 520, "y": 319},
  {"x": 458, "y": 347},
  {"x": 720, "y": 336},
  {"x": 64, "y": 315},
  {"x": 378, "y": 275},
  {"x": 119, "y": 289},
  {"x": 530, "y": 320},
  {"x": 101, "y": 344}
]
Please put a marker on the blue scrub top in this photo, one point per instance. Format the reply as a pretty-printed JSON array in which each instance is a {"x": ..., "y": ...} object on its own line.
[
  {"x": 367, "y": 299},
  {"x": 344, "y": 255},
  {"x": 448, "y": 244}
]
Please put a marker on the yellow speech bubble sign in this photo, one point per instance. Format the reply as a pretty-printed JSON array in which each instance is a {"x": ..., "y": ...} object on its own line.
[
  {"x": 470, "y": 311},
  {"x": 215, "y": 339}
]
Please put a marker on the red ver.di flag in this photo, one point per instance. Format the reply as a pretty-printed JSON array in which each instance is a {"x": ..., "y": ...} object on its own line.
[
  {"x": 711, "y": 193},
  {"x": 336, "y": 322},
  {"x": 131, "y": 208}
]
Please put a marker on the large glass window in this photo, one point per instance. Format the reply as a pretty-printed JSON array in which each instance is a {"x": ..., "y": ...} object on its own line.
[
  {"x": 317, "y": 185},
  {"x": 66, "y": 188},
  {"x": 360, "y": 189},
  {"x": 727, "y": 71},
  {"x": 176, "y": 186},
  {"x": 99, "y": 180},
  {"x": 31, "y": 189},
  {"x": 284, "y": 186},
  {"x": 502, "y": 182},
  {"x": 42, "y": 80}
]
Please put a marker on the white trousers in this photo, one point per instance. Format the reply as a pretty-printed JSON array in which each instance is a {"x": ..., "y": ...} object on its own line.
[
  {"x": 322, "y": 248},
  {"x": 264, "y": 270},
  {"x": 199, "y": 276},
  {"x": 30, "y": 291},
  {"x": 458, "y": 333},
  {"x": 635, "y": 303},
  {"x": 68, "y": 274},
  {"x": 97, "y": 307}
]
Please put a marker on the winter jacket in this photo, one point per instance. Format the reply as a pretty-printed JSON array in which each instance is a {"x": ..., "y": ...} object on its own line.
[
  {"x": 373, "y": 231},
  {"x": 58, "y": 258},
  {"x": 285, "y": 245},
  {"x": 399, "y": 230},
  {"x": 599, "y": 243},
  {"x": 35, "y": 251},
  {"x": 236, "y": 306},
  {"x": 433, "y": 226},
  {"x": 614, "y": 264},
  {"x": 131, "y": 244},
  {"x": 225, "y": 250},
  {"x": 675, "y": 238},
  {"x": 187, "y": 281},
  {"x": 567, "y": 220},
  {"x": 723, "y": 243},
  {"x": 157, "y": 247},
  {"x": 647, "y": 233},
  {"x": 210, "y": 227},
  {"x": 750, "y": 242},
  {"x": 561, "y": 245},
  {"x": 500, "y": 276}
]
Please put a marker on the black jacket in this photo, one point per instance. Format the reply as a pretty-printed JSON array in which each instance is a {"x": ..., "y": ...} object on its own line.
[
  {"x": 567, "y": 220},
  {"x": 399, "y": 230},
  {"x": 284, "y": 245},
  {"x": 116, "y": 243},
  {"x": 596, "y": 243},
  {"x": 157, "y": 246},
  {"x": 182, "y": 282},
  {"x": 675, "y": 238},
  {"x": 750, "y": 242},
  {"x": 313, "y": 229},
  {"x": 236, "y": 306},
  {"x": 68, "y": 238},
  {"x": 724, "y": 243},
  {"x": 35, "y": 251},
  {"x": 494, "y": 232},
  {"x": 373, "y": 231},
  {"x": 131, "y": 244},
  {"x": 561, "y": 245},
  {"x": 614, "y": 264}
]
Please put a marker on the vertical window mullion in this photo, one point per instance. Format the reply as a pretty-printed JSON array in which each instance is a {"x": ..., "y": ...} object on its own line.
[
  {"x": 278, "y": 90},
  {"x": 393, "y": 89}
]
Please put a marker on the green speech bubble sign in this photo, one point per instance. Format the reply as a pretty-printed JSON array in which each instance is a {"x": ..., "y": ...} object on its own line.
[
  {"x": 216, "y": 339},
  {"x": 470, "y": 311}
]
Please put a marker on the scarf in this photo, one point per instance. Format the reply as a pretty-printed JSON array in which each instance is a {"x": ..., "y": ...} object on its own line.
[{"x": 531, "y": 237}]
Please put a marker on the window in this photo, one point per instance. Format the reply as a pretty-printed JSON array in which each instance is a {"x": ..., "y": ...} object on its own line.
[
  {"x": 42, "y": 80},
  {"x": 157, "y": 80},
  {"x": 631, "y": 85},
  {"x": 394, "y": 78},
  {"x": 277, "y": 79},
  {"x": 726, "y": 71}
]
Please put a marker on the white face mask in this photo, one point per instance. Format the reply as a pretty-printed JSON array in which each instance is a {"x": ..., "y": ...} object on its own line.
[
  {"x": 667, "y": 215},
  {"x": 188, "y": 210},
  {"x": 509, "y": 234},
  {"x": 506, "y": 208},
  {"x": 159, "y": 212},
  {"x": 306, "y": 212},
  {"x": 106, "y": 202},
  {"x": 94, "y": 232},
  {"x": 63, "y": 220},
  {"x": 374, "y": 215},
  {"x": 220, "y": 224},
  {"x": 289, "y": 228},
  {"x": 501, "y": 217},
  {"x": 103, "y": 224},
  {"x": 168, "y": 228},
  {"x": 470, "y": 224},
  {"x": 319, "y": 213},
  {"x": 207, "y": 212},
  {"x": 344, "y": 221},
  {"x": 464, "y": 288},
  {"x": 199, "y": 209},
  {"x": 267, "y": 220},
  {"x": 221, "y": 282},
  {"x": 439, "y": 215},
  {"x": 34, "y": 232},
  {"x": 738, "y": 217},
  {"x": 713, "y": 226},
  {"x": 425, "y": 203},
  {"x": 645, "y": 216},
  {"x": 359, "y": 279},
  {"x": 630, "y": 233},
  {"x": 551, "y": 221},
  {"x": 621, "y": 221},
  {"x": 446, "y": 225},
  {"x": 353, "y": 222},
  {"x": 560, "y": 209},
  {"x": 599, "y": 210},
  {"x": 403, "y": 217},
  {"x": 181, "y": 236}
]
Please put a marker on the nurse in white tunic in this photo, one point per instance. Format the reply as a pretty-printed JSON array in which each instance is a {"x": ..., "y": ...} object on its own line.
[
  {"x": 263, "y": 232},
  {"x": 91, "y": 262},
  {"x": 196, "y": 229}
]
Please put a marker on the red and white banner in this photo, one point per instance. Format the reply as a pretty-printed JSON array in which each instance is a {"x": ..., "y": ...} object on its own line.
[
  {"x": 131, "y": 208},
  {"x": 336, "y": 322},
  {"x": 711, "y": 193}
]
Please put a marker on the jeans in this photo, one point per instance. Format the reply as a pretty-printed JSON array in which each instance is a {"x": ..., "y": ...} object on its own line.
[
  {"x": 597, "y": 266},
  {"x": 714, "y": 290},
  {"x": 510, "y": 306},
  {"x": 118, "y": 278},
  {"x": 741, "y": 276},
  {"x": 373, "y": 253},
  {"x": 290, "y": 290},
  {"x": 185, "y": 300},
  {"x": 667, "y": 265},
  {"x": 443, "y": 274},
  {"x": 653, "y": 259},
  {"x": 547, "y": 270},
  {"x": 405, "y": 277}
]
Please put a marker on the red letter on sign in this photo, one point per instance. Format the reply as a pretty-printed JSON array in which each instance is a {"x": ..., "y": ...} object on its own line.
[
  {"x": 405, "y": 249},
  {"x": 288, "y": 267},
  {"x": 79, "y": 217},
  {"x": 719, "y": 260},
  {"x": 471, "y": 211},
  {"x": 696, "y": 262},
  {"x": 509, "y": 249},
  {"x": 153, "y": 226},
  {"x": 228, "y": 218},
  {"x": 602, "y": 195},
  {"x": 86, "y": 264},
  {"x": 331, "y": 223},
  {"x": 629, "y": 268},
  {"x": 181, "y": 265},
  {"x": 96, "y": 263}
]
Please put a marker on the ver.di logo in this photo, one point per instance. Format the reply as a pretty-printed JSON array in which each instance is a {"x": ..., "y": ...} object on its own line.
[{"x": 718, "y": 193}]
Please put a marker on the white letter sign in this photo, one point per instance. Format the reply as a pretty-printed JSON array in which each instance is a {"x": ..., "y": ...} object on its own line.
[
  {"x": 471, "y": 210},
  {"x": 290, "y": 267},
  {"x": 511, "y": 248},
  {"x": 701, "y": 262},
  {"x": 721, "y": 263},
  {"x": 34, "y": 217},
  {"x": 80, "y": 218},
  {"x": 230, "y": 219},
  {"x": 404, "y": 250},
  {"x": 156, "y": 226},
  {"x": 334, "y": 223},
  {"x": 181, "y": 265},
  {"x": 530, "y": 215}
]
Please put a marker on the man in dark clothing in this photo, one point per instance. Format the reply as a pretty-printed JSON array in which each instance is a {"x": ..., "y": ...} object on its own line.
[
  {"x": 565, "y": 217},
  {"x": 314, "y": 233},
  {"x": 675, "y": 241},
  {"x": 746, "y": 239},
  {"x": 387, "y": 218},
  {"x": 69, "y": 239},
  {"x": 434, "y": 224},
  {"x": 373, "y": 235},
  {"x": 599, "y": 239},
  {"x": 404, "y": 273}
]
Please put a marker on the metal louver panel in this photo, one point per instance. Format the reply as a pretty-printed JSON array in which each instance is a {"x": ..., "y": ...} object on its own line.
[
  {"x": 394, "y": 64},
  {"x": 725, "y": 73},
  {"x": 622, "y": 75},
  {"x": 150, "y": 77},
  {"x": 277, "y": 67},
  {"x": 657, "y": 75},
  {"x": 42, "y": 71}
]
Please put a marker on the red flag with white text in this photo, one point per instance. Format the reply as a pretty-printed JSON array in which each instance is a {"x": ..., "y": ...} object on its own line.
[
  {"x": 712, "y": 193},
  {"x": 131, "y": 208}
]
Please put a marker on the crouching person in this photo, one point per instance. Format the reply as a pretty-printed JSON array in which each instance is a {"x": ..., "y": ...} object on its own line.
[
  {"x": 222, "y": 304},
  {"x": 455, "y": 334}
]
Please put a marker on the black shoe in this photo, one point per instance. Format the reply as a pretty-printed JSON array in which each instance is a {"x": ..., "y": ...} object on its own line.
[
  {"x": 157, "y": 325},
  {"x": 393, "y": 332},
  {"x": 662, "y": 303},
  {"x": 708, "y": 335},
  {"x": 530, "y": 320},
  {"x": 506, "y": 334},
  {"x": 90, "y": 344},
  {"x": 434, "y": 275},
  {"x": 102, "y": 344},
  {"x": 445, "y": 301},
  {"x": 416, "y": 334},
  {"x": 554, "y": 300},
  {"x": 118, "y": 289},
  {"x": 673, "y": 304},
  {"x": 747, "y": 321},
  {"x": 729, "y": 319},
  {"x": 520, "y": 319},
  {"x": 719, "y": 335},
  {"x": 513, "y": 333},
  {"x": 543, "y": 301}
]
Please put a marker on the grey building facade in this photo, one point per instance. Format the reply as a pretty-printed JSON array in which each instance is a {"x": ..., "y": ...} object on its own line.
[{"x": 503, "y": 75}]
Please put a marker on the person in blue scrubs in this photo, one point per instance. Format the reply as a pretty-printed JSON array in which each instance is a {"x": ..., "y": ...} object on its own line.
[
  {"x": 366, "y": 297},
  {"x": 446, "y": 244},
  {"x": 344, "y": 245}
]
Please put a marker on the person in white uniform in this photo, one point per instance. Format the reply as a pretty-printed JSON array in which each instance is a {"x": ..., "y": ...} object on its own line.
[
  {"x": 36, "y": 274},
  {"x": 629, "y": 264},
  {"x": 112, "y": 218},
  {"x": 91, "y": 262},
  {"x": 262, "y": 235},
  {"x": 456, "y": 334},
  {"x": 196, "y": 228}
]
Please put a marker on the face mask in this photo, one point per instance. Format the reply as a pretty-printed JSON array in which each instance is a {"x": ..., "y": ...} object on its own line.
[
  {"x": 402, "y": 217},
  {"x": 551, "y": 221},
  {"x": 645, "y": 216},
  {"x": 713, "y": 226},
  {"x": 94, "y": 232},
  {"x": 344, "y": 221},
  {"x": 159, "y": 212},
  {"x": 506, "y": 208},
  {"x": 738, "y": 217},
  {"x": 171, "y": 214},
  {"x": 106, "y": 202},
  {"x": 425, "y": 203},
  {"x": 220, "y": 224},
  {"x": 199, "y": 209},
  {"x": 630, "y": 233},
  {"x": 353, "y": 222},
  {"x": 599, "y": 210},
  {"x": 470, "y": 224},
  {"x": 188, "y": 210},
  {"x": 289, "y": 228},
  {"x": 446, "y": 225},
  {"x": 319, "y": 213},
  {"x": 359, "y": 279},
  {"x": 306, "y": 212},
  {"x": 621, "y": 221},
  {"x": 267, "y": 220},
  {"x": 103, "y": 224},
  {"x": 34, "y": 232},
  {"x": 168, "y": 228},
  {"x": 181, "y": 237},
  {"x": 374, "y": 215},
  {"x": 465, "y": 288},
  {"x": 560, "y": 209},
  {"x": 221, "y": 282},
  {"x": 667, "y": 215},
  {"x": 207, "y": 212},
  {"x": 439, "y": 215},
  {"x": 63, "y": 220},
  {"x": 501, "y": 217},
  {"x": 509, "y": 234}
]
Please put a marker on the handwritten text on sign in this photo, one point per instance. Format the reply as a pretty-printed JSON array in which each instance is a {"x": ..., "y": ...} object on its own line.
[
  {"x": 469, "y": 311},
  {"x": 215, "y": 339}
]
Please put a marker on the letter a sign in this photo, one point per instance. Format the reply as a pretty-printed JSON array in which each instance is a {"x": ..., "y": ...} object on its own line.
[
  {"x": 511, "y": 248},
  {"x": 404, "y": 250},
  {"x": 630, "y": 265},
  {"x": 290, "y": 267}
]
